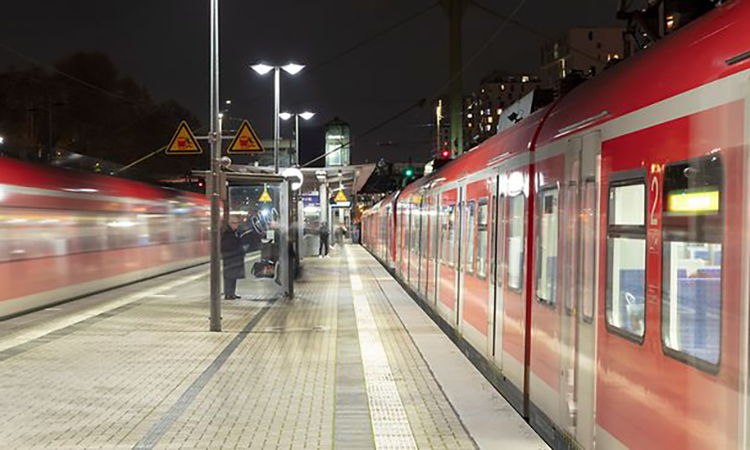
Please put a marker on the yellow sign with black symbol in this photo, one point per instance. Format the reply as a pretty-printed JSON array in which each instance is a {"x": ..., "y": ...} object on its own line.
[
  {"x": 183, "y": 142},
  {"x": 246, "y": 141},
  {"x": 265, "y": 197},
  {"x": 340, "y": 197}
]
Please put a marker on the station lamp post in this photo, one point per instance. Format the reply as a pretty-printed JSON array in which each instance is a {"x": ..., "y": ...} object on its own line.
[
  {"x": 307, "y": 115},
  {"x": 263, "y": 69}
]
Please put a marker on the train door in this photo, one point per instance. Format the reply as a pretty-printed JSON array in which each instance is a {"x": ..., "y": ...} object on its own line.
[
  {"x": 448, "y": 258},
  {"x": 461, "y": 254},
  {"x": 497, "y": 270},
  {"x": 435, "y": 225},
  {"x": 577, "y": 328},
  {"x": 424, "y": 228}
]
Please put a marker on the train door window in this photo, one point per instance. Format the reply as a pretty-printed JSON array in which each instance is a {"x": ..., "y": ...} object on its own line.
[
  {"x": 692, "y": 261},
  {"x": 500, "y": 239},
  {"x": 588, "y": 250},
  {"x": 470, "y": 226},
  {"x": 571, "y": 242},
  {"x": 546, "y": 278},
  {"x": 482, "y": 238},
  {"x": 424, "y": 219},
  {"x": 415, "y": 219},
  {"x": 434, "y": 227},
  {"x": 626, "y": 259},
  {"x": 447, "y": 236},
  {"x": 516, "y": 251}
]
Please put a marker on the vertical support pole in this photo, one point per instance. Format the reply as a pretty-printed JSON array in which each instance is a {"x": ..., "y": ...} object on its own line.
[
  {"x": 286, "y": 263},
  {"x": 324, "y": 202},
  {"x": 51, "y": 140},
  {"x": 215, "y": 136},
  {"x": 455, "y": 13},
  {"x": 276, "y": 122},
  {"x": 295, "y": 163}
]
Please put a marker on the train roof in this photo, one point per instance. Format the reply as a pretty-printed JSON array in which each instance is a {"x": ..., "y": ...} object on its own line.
[
  {"x": 19, "y": 173},
  {"x": 691, "y": 57}
]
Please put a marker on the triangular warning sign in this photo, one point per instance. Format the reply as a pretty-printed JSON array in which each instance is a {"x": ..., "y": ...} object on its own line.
[
  {"x": 264, "y": 197},
  {"x": 246, "y": 141},
  {"x": 341, "y": 197},
  {"x": 184, "y": 142}
]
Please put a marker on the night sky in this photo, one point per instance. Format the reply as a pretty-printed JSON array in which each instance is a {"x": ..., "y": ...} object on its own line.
[{"x": 164, "y": 45}]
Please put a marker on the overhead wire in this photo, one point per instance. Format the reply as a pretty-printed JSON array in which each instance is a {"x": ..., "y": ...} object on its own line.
[{"x": 530, "y": 29}]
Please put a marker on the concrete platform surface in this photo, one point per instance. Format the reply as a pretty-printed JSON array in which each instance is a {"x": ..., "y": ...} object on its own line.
[{"x": 350, "y": 363}]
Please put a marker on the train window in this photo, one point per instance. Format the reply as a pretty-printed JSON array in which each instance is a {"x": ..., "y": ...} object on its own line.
[
  {"x": 571, "y": 242},
  {"x": 546, "y": 276},
  {"x": 588, "y": 249},
  {"x": 482, "y": 238},
  {"x": 626, "y": 259},
  {"x": 447, "y": 235},
  {"x": 692, "y": 261},
  {"x": 500, "y": 240},
  {"x": 415, "y": 227},
  {"x": 424, "y": 219},
  {"x": 516, "y": 251},
  {"x": 470, "y": 226},
  {"x": 434, "y": 227}
]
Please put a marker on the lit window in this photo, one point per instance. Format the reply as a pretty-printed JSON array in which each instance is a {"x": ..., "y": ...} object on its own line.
[
  {"x": 499, "y": 111},
  {"x": 546, "y": 278},
  {"x": 693, "y": 225},
  {"x": 470, "y": 224},
  {"x": 524, "y": 79},
  {"x": 489, "y": 119},
  {"x": 626, "y": 258},
  {"x": 516, "y": 206},
  {"x": 470, "y": 116}
]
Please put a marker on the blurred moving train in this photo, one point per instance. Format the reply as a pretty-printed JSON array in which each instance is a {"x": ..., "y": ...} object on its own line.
[
  {"x": 65, "y": 234},
  {"x": 593, "y": 260}
]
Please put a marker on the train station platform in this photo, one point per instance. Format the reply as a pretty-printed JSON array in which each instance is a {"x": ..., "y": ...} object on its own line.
[{"x": 350, "y": 363}]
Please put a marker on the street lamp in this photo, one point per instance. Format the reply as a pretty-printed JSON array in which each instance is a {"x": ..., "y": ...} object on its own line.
[
  {"x": 263, "y": 69},
  {"x": 307, "y": 115}
]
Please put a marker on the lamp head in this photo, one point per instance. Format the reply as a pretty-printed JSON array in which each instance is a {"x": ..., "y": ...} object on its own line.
[
  {"x": 262, "y": 69},
  {"x": 307, "y": 115},
  {"x": 293, "y": 69},
  {"x": 285, "y": 116}
]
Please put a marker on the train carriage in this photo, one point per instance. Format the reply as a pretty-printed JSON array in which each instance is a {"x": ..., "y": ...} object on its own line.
[{"x": 594, "y": 258}]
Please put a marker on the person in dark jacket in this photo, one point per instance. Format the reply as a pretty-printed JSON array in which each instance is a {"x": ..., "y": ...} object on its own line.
[
  {"x": 323, "y": 235},
  {"x": 233, "y": 257}
]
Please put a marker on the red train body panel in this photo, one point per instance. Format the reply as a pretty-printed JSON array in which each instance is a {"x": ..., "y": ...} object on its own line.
[
  {"x": 65, "y": 234},
  {"x": 596, "y": 255}
]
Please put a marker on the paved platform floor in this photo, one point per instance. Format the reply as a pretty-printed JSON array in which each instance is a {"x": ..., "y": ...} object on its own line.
[{"x": 350, "y": 363}]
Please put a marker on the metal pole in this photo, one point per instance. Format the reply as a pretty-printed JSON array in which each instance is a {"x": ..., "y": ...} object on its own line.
[
  {"x": 51, "y": 140},
  {"x": 456, "y": 86},
  {"x": 215, "y": 137},
  {"x": 276, "y": 119},
  {"x": 296, "y": 140}
]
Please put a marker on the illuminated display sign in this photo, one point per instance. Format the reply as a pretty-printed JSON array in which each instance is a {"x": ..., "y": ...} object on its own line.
[{"x": 706, "y": 202}]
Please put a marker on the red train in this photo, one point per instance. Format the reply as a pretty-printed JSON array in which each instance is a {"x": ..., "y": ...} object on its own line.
[
  {"x": 66, "y": 234},
  {"x": 593, "y": 260}
]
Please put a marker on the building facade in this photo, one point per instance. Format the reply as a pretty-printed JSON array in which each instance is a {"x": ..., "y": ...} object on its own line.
[
  {"x": 581, "y": 52},
  {"x": 483, "y": 108}
]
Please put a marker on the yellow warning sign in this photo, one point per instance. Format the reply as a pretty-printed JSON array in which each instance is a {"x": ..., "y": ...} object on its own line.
[
  {"x": 264, "y": 197},
  {"x": 246, "y": 141},
  {"x": 183, "y": 142},
  {"x": 340, "y": 197}
]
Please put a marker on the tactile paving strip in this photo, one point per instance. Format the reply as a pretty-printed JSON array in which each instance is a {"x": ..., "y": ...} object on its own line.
[{"x": 390, "y": 423}]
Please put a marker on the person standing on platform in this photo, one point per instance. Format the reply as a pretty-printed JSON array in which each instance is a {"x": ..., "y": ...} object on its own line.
[
  {"x": 323, "y": 235},
  {"x": 233, "y": 258}
]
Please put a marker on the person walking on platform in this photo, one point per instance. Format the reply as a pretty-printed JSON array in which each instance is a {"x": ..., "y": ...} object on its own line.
[
  {"x": 233, "y": 258},
  {"x": 323, "y": 235}
]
